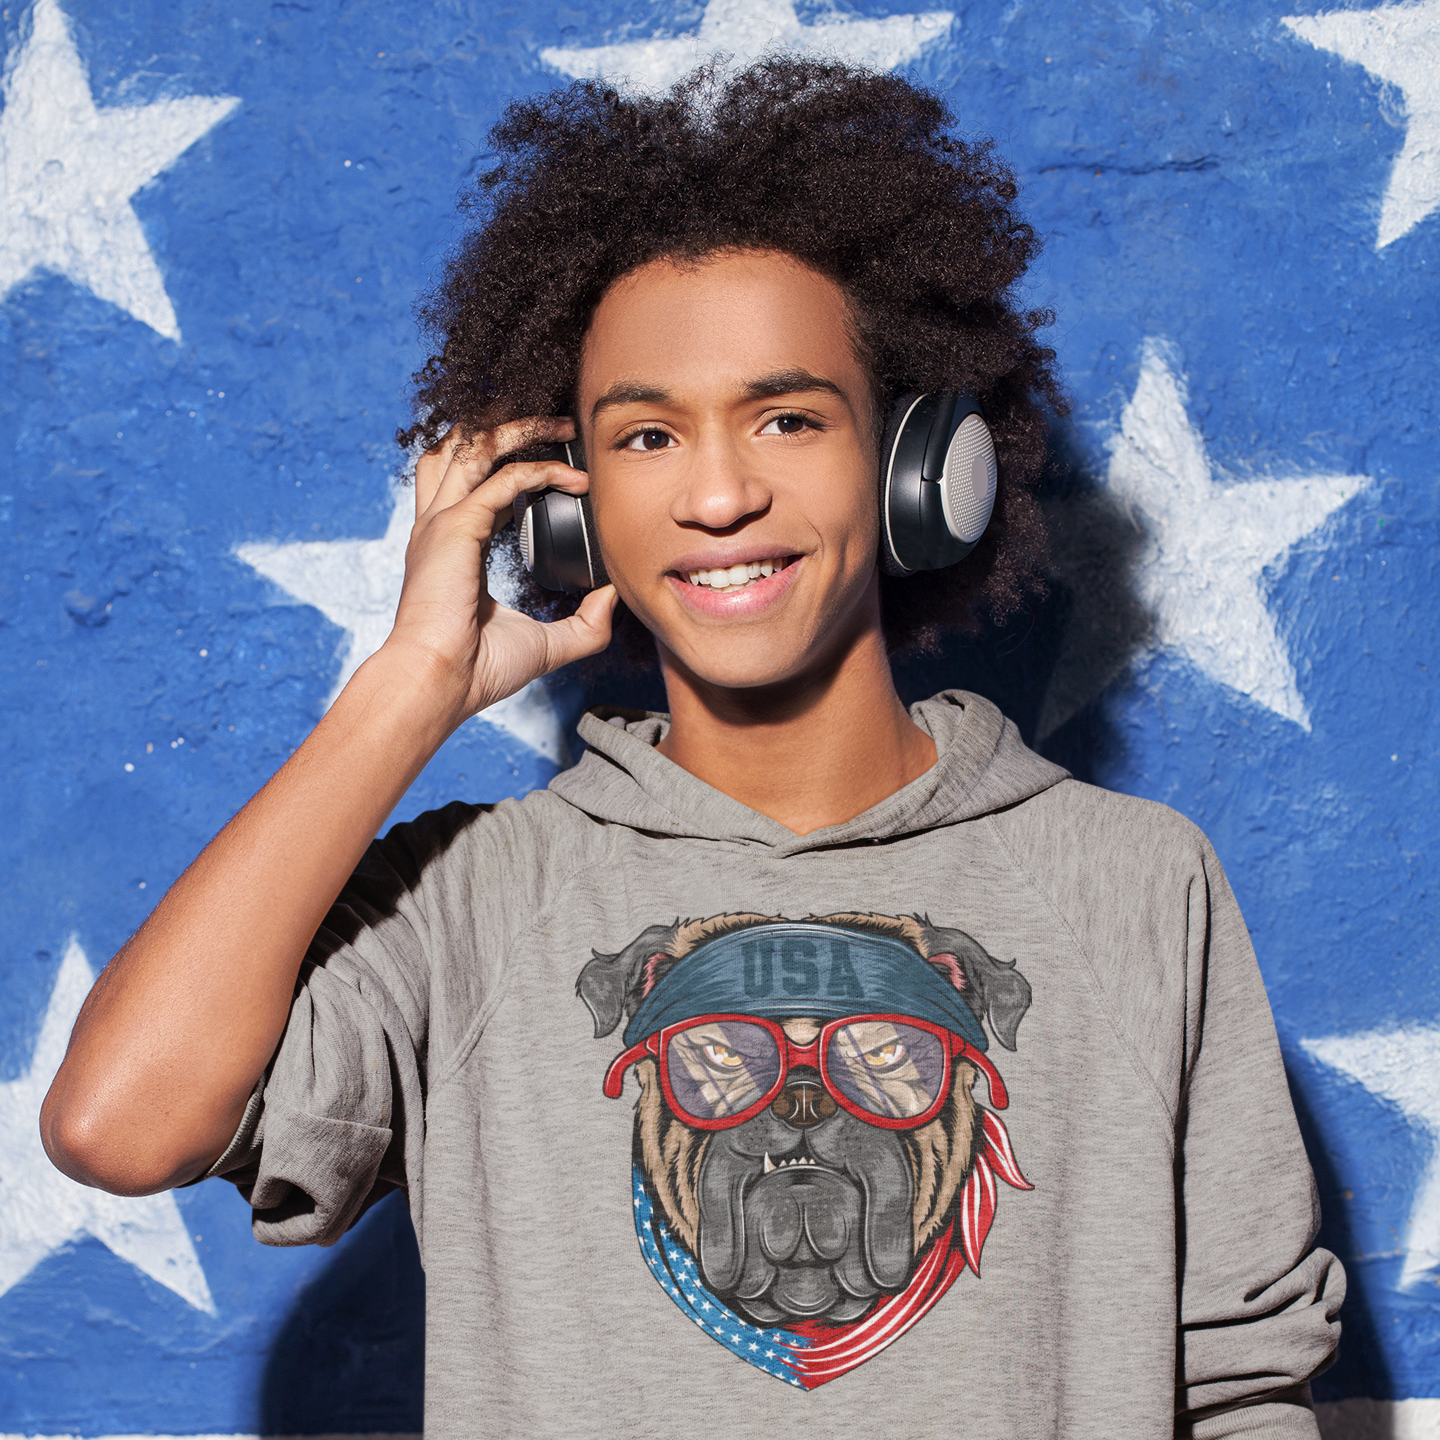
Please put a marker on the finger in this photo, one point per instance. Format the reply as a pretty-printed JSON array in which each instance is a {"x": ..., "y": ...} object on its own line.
[
  {"x": 430, "y": 469},
  {"x": 474, "y": 464},
  {"x": 586, "y": 632},
  {"x": 489, "y": 506},
  {"x": 477, "y": 517},
  {"x": 471, "y": 464}
]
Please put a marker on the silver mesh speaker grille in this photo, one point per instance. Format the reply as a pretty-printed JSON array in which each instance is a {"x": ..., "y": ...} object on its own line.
[
  {"x": 527, "y": 539},
  {"x": 968, "y": 487}
]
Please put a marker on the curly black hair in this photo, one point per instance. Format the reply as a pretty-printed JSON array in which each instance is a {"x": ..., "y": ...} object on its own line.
[{"x": 849, "y": 171}]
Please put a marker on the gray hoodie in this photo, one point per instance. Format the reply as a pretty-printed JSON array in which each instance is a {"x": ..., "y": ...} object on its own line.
[{"x": 965, "y": 1115}]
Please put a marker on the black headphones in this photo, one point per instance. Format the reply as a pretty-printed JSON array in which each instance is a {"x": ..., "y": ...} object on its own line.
[{"x": 937, "y": 489}]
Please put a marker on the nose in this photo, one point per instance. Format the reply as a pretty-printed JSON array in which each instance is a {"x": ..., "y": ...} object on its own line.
[
  {"x": 721, "y": 490},
  {"x": 803, "y": 1103}
]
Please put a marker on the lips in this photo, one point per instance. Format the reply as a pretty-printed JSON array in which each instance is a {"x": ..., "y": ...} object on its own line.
[{"x": 731, "y": 591}]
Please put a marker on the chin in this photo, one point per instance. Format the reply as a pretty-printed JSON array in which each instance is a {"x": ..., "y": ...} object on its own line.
[
  {"x": 755, "y": 654},
  {"x": 728, "y": 663}
]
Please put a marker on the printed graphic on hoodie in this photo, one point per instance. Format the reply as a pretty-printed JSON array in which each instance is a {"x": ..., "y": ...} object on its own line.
[{"x": 812, "y": 1167}]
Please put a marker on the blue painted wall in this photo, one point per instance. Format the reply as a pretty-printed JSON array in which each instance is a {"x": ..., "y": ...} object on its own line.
[{"x": 1208, "y": 180}]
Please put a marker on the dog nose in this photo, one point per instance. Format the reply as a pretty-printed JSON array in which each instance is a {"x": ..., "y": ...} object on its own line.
[{"x": 802, "y": 1103}]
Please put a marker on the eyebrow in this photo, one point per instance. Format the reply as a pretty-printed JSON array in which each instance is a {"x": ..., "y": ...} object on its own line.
[
  {"x": 789, "y": 382},
  {"x": 623, "y": 393},
  {"x": 763, "y": 387}
]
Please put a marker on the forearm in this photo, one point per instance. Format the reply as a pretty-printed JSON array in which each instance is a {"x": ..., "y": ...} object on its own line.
[{"x": 183, "y": 1021}]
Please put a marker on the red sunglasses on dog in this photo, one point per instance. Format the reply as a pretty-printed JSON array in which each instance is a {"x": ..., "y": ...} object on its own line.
[{"x": 888, "y": 1070}]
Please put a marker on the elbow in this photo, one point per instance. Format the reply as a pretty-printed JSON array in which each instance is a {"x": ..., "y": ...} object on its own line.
[{"x": 91, "y": 1148}]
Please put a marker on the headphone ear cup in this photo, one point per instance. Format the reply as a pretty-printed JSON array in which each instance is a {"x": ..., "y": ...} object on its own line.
[
  {"x": 594, "y": 563},
  {"x": 937, "y": 482},
  {"x": 897, "y": 503},
  {"x": 556, "y": 532}
]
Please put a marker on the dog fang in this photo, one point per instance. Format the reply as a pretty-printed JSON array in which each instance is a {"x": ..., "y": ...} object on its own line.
[{"x": 769, "y": 1164}]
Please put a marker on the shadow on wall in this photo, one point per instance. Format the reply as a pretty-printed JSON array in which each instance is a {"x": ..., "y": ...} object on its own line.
[
  {"x": 1048, "y": 667},
  {"x": 1360, "y": 1367},
  {"x": 350, "y": 1356}
]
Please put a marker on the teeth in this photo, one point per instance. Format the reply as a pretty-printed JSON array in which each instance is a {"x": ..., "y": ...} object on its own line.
[
  {"x": 783, "y": 1164},
  {"x": 736, "y": 576}
]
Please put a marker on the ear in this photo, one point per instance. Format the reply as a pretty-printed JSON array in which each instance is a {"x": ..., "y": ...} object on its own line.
[
  {"x": 614, "y": 985},
  {"x": 993, "y": 988}
]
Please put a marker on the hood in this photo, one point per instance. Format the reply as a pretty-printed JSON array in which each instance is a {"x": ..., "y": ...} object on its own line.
[{"x": 982, "y": 766}]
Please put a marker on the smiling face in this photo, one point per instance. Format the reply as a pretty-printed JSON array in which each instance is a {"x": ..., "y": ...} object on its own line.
[{"x": 729, "y": 432}]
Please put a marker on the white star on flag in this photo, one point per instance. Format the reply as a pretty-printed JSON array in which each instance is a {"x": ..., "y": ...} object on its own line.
[
  {"x": 356, "y": 584},
  {"x": 748, "y": 29},
  {"x": 1207, "y": 539},
  {"x": 1402, "y": 1066},
  {"x": 41, "y": 1209},
  {"x": 68, "y": 170},
  {"x": 1400, "y": 45}
]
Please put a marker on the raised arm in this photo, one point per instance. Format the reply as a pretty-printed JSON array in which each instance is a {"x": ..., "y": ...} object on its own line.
[{"x": 183, "y": 1021}]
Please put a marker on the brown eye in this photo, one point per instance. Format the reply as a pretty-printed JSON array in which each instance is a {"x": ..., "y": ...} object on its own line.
[
  {"x": 785, "y": 425},
  {"x": 883, "y": 1056},
  {"x": 648, "y": 440},
  {"x": 722, "y": 1056}
]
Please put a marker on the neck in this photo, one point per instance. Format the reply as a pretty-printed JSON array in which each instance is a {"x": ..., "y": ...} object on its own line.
[{"x": 814, "y": 751}]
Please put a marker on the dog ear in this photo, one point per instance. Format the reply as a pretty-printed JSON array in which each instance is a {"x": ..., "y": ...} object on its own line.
[
  {"x": 614, "y": 985},
  {"x": 991, "y": 987}
]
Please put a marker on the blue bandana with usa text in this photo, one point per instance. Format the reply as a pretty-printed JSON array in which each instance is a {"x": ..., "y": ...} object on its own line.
[{"x": 797, "y": 968}]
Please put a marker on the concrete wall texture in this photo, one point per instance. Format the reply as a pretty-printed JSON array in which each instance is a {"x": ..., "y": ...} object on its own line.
[{"x": 215, "y": 220}]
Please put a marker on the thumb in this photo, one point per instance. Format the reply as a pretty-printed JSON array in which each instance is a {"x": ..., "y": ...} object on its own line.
[{"x": 586, "y": 632}]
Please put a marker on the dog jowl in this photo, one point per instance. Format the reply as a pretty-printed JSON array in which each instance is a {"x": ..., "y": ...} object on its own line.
[{"x": 813, "y": 1169}]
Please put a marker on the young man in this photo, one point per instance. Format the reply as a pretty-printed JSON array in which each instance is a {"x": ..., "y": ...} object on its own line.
[{"x": 904, "y": 1005}]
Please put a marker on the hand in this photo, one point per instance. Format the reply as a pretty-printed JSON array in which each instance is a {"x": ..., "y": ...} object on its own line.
[{"x": 448, "y": 625}]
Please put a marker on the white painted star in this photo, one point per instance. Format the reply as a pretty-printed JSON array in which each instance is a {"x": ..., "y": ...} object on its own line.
[
  {"x": 41, "y": 1209},
  {"x": 356, "y": 584},
  {"x": 748, "y": 29},
  {"x": 1400, "y": 45},
  {"x": 1402, "y": 1066},
  {"x": 1207, "y": 539},
  {"x": 68, "y": 171}
]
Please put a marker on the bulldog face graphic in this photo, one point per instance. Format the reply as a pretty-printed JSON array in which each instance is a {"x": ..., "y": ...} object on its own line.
[{"x": 807, "y": 1129}]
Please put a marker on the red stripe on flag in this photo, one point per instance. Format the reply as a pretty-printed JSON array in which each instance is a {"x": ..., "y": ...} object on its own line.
[{"x": 1002, "y": 1156}]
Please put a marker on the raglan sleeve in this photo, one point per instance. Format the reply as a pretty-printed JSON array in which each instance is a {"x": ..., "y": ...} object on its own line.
[
  {"x": 1259, "y": 1302},
  {"x": 337, "y": 1120}
]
